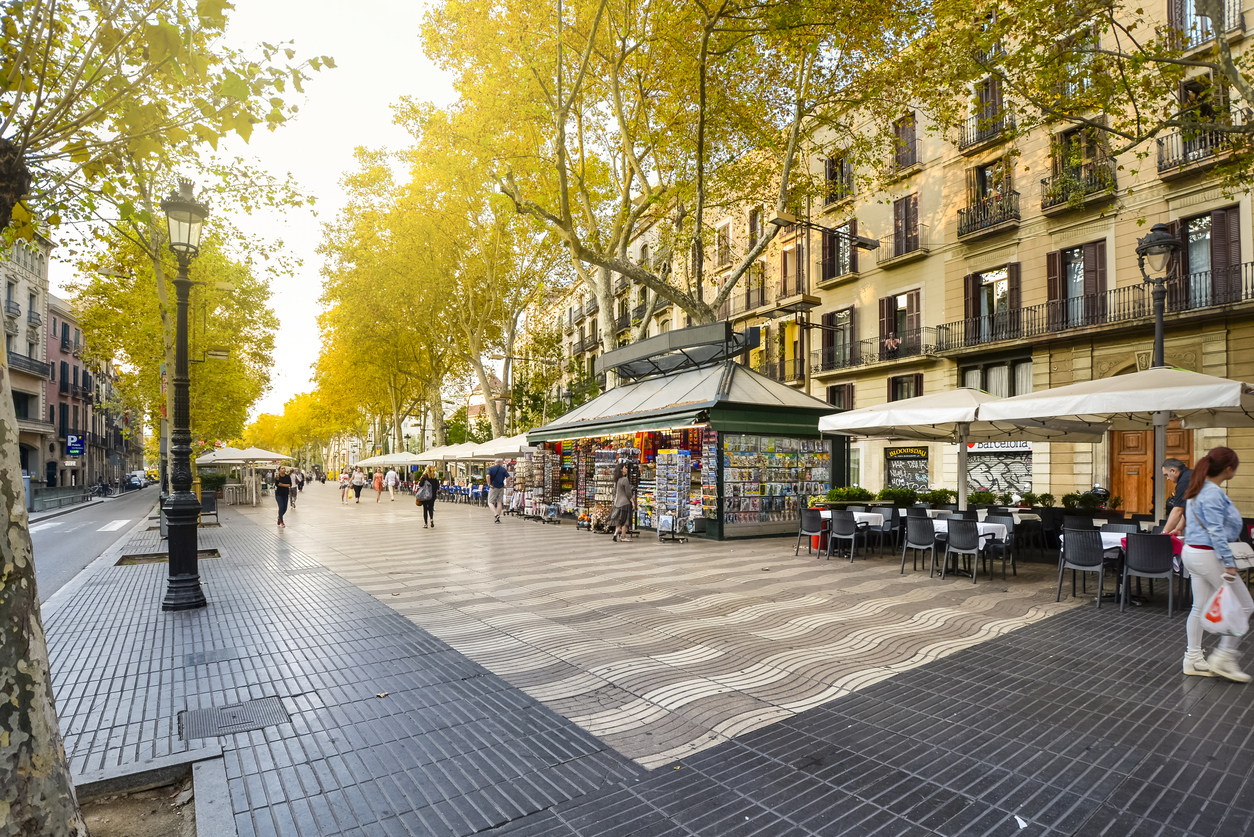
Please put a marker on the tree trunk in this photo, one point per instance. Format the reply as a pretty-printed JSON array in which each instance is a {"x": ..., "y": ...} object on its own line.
[
  {"x": 488, "y": 397},
  {"x": 436, "y": 406},
  {"x": 36, "y": 789}
]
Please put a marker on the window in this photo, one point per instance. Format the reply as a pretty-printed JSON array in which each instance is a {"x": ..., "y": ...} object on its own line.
[
  {"x": 78, "y": 338},
  {"x": 1076, "y": 285},
  {"x": 906, "y": 225},
  {"x": 8, "y": 342},
  {"x": 789, "y": 279},
  {"x": 1194, "y": 30},
  {"x": 723, "y": 242},
  {"x": 855, "y": 466},
  {"x": 901, "y": 387},
  {"x": 30, "y": 303},
  {"x": 989, "y": 181},
  {"x": 907, "y": 142},
  {"x": 840, "y": 258},
  {"x": 1003, "y": 378},
  {"x": 755, "y": 226},
  {"x": 8, "y": 291},
  {"x": 838, "y": 347},
  {"x": 1209, "y": 272},
  {"x": 840, "y": 396},
  {"x": 993, "y": 299},
  {"x": 30, "y": 351},
  {"x": 65, "y": 419},
  {"x": 645, "y": 262},
  {"x": 901, "y": 322},
  {"x": 54, "y": 326},
  {"x": 839, "y": 172}
]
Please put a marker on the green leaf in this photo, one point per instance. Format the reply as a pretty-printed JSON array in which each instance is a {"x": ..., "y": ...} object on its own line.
[{"x": 233, "y": 87}]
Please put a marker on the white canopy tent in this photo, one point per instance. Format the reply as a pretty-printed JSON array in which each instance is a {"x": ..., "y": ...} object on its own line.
[
  {"x": 219, "y": 456},
  {"x": 502, "y": 446},
  {"x": 952, "y": 416},
  {"x": 1137, "y": 401},
  {"x": 399, "y": 458}
]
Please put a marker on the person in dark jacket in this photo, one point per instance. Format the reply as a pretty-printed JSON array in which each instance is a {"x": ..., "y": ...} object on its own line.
[{"x": 431, "y": 481}]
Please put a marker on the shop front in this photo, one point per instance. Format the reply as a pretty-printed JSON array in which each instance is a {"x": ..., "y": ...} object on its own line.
[{"x": 715, "y": 450}]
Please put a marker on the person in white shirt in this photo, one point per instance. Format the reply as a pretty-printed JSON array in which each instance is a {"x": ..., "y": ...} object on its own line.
[{"x": 393, "y": 482}]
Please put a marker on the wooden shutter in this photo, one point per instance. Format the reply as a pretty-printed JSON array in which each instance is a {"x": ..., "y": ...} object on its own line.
[
  {"x": 886, "y": 316},
  {"x": 1225, "y": 255},
  {"x": 831, "y": 248},
  {"x": 833, "y": 394},
  {"x": 891, "y": 381},
  {"x": 829, "y": 336},
  {"x": 971, "y": 295},
  {"x": 783, "y": 273},
  {"x": 918, "y": 384},
  {"x": 1014, "y": 298},
  {"x": 853, "y": 251},
  {"x": 973, "y": 186},
  {"x": 914, "y": 317},
  {"x": 899, "y": 226},
  {"x": 1053, "y": 275}
]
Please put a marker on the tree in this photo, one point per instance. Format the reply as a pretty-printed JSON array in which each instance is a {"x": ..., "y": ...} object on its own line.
[
  {"x": 607, "y": 119},
  {"x": 1101, "y": 65},
  {"x": 84, "y": 86}
]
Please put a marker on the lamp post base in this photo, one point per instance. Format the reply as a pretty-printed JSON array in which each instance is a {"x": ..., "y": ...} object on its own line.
[
  {"x": 183, "y": 590},
  {"x": 183, "y": 593}
]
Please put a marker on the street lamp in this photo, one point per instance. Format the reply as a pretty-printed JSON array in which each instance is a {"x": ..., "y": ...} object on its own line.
[
  {"x": 185, "y": 217},
  {"x": 1159, "y": 249},
  {"x": 787, "y": 219}
]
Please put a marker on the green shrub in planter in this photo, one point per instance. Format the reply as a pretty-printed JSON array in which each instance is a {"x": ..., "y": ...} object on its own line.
[
  {"x": 212, "y": 482},
  {"x": 982, "y": 498},
  {"x": 850, "y": 493},
  {"x": 900, "y": 497},
  {"x": 1005, "y": 499},
  {"x": 1030, "y": 499},
  {"x": 1071, "y": 501},
  {"x": 1046, "y": 500},
  {"x": 938, "y": 496},
  {"x": 1090, "y": 502}
]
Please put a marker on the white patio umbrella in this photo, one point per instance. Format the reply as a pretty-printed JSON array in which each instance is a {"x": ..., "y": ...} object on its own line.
[
  {"x": 399, "y": 458},
  {"x": 255, "y": 454},
  {"x": 952, "y": 416},
  {"x": 219, "y": 456},
  {"x": 503, "y": 446},
  {"x": 1131, "y": 402}
]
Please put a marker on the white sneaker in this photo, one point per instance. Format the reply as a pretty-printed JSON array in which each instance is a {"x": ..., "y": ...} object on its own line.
[
  {"x": 1195, "y": 664},
  {"x": 1224, "y": 664}
]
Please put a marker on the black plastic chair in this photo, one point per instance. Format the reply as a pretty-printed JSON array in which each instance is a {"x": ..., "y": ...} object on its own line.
[
  {"x": 855, "y": 508},
  {"x": 1148, "y": 556},
  {"x": 1082, "y": 550},
  {"x": 845, "y": 528},
  {"x": 811, "y": 526},
  {"x": 964, "y": 539},
  {"x": 920, "y": 535},
  {"x": 1072, "y": 521},
  {"x": 208, "y": 505},
  {"x": 1126, "y": 528},
  {"x": 890, "y": 527},
  {"x": 921, "y": 506},
  {"x": 950, "y": 507},
  {"x": 917, "y": 511},
  {"x": 969, "y": 514},
  {"x": 1005, "y": 549}
]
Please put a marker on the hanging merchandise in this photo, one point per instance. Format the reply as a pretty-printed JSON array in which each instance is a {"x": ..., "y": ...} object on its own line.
[{"x": 674, "y": 482}]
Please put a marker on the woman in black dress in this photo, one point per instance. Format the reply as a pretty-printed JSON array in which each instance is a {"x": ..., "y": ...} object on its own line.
[{"x": 282, "y": 490}]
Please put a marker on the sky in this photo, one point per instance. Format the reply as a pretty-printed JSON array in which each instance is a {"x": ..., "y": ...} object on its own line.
[{"x": 379, "y": 59}]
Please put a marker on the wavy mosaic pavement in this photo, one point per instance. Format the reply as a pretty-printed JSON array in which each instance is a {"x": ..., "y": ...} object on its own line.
[{"x": 660, "y": 650}]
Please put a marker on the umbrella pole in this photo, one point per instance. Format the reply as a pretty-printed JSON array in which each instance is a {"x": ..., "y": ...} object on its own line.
[
  {"x": 1161, "y": 418},
  {"x": 963, "y": 429}
]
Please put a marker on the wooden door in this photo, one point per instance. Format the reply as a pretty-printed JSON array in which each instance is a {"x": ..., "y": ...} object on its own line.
[{"x": 1132, "y": 469}]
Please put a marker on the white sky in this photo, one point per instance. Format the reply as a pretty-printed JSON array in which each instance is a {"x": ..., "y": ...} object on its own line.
[{"x": 379, "y": 58}]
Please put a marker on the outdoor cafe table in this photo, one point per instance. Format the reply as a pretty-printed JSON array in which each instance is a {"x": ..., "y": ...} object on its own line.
[
  {"x": 997, "y": 530},
  {"x": 872, "y": 519},
  {"x": 1018, "y": 516}
]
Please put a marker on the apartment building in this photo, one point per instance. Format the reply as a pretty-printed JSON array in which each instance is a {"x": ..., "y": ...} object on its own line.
[
  {"x": 25, "y": 270},
  {"x": 71, "y": 393},
  {"x": 1005, "y": 261}
]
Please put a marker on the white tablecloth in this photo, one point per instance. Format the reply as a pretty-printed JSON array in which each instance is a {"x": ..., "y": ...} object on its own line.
[
  {"x": 997, "y": 530},
  {"x": 1110, "y": 540},
  {"x": 874, "y": 520}
]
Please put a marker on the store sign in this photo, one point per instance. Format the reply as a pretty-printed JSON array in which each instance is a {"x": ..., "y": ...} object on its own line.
[
  {"x": 905, "y": 454},
  {"x": 999, "y": 447},
  {"x": 70, "y": 463},
  {"x": 74, "y": 445}
]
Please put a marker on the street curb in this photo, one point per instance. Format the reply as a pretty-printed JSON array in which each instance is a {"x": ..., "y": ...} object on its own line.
[
  {"x": 107, "y": 558},
  {"x": 95, "y": 501},
  {"x": 144, "y": 775},
  {"x": 214, "y": 814}
]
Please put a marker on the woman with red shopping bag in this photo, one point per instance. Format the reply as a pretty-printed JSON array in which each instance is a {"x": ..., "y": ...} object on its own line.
[{"x": 1211, "y": 523}]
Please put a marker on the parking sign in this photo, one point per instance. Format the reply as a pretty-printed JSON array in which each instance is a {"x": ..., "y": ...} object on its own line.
[{"x": 74, "y": 445}]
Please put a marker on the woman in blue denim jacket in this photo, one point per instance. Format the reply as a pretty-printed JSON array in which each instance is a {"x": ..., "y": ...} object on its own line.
[{"x": 1211, "y": 522}]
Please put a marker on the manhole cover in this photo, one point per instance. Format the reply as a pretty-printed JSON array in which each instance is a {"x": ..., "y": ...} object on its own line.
[
  {"x": 226, "y": 720},
  {"x": 215, "y": 655}
]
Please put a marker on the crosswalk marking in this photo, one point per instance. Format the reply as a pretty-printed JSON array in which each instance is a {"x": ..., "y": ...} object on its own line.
[
  {"x": 39, "y": 527},
  {"x": 114, "y": 525}
]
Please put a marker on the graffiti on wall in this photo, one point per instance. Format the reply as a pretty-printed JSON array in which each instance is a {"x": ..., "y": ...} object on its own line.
[{"x": 1000, "y": 472}]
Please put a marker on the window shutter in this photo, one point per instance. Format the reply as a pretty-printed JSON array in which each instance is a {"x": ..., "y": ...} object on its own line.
[
  {"x": 891, "y": 381},
  {"x": 783, "y": 273},
  {"x": 970, "y": 295},
  {"x": 831, "y": 247},
  {"x": 886, "y": 316},
  {"x": 912, "y": 223},
  {"x": 973, "y": 186},
  {"x": 914, "y": 317},
  {"x": 833, "y": 394},
  {"x": 899, "y": 226},
  {"x": 853, "y": 251},
  {"x": 1014, "y": 286},
  {"x": 1225, "y": 255},
  {"x": 848, "y": 396},
  {"x": 1053, "y": 275},
  {"x": 918, "y": 384},
  {"x": 851, "y": 338},
  {"x": 829, "y": 335}
]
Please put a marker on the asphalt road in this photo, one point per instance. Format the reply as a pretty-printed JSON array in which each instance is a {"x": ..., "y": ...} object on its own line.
[{"x": 66, "y": 544}]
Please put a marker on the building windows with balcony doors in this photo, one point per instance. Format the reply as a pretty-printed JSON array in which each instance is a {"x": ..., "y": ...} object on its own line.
[
  {"x": 790, "y": 261},
  {"x": 1075, "y": 284},
  {"x": 991, "y": 198},
  {"x": 840, "y": 396},
  {"x": 901, "y": 325},
  {"x": 1209, "y": 270},
  {"x": 988, "y": 115},
  {"x": 1081, "y": 167},
  {"x": 901, "y": 387},
  {"x": 905, "y": 226},
  {"x": 992, "y": 299},
  {"x": 838, "y": 347},
  {"x": 839, "y": 256},
  {"x": 905, "y": 132},
  {"x": 1206, "y": 102},
  {"x": 838, "y": 173},
  {"x": 755, "y": 226}
]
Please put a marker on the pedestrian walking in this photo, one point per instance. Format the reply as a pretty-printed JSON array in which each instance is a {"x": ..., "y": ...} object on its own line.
[
  {"x": 359, "y": 482},
  {"x": 282, "y": 488},
  {"x": 377, "y": 484},
  {"x": 392, "y": 481},
  {"x": 298, "y": 482},
  {"x": 497, "y": 475},
  {"x": 345, "y": 487},
  {"x": 425, "y": 492},
  {"x": 1211, "y": 522},
  {"x": 624, "y": 503}
]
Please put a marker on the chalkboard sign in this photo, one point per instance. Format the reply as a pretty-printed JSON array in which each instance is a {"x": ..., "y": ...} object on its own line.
[{"x": 907, "y": 468}]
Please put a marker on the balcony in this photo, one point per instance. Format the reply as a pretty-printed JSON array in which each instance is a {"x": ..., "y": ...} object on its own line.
[
  {"x": 918, "y": 342},
  {"x": 66, "y": 345},
  {"x": 33, "y": 318},
  {"x": 12, "y": 309},
  {"x": 748, "y": 298},
  {"x": 638, "y": 312},
  {"x": 621, "y": 284},
  {"x": 993, "y": 214},
  {"x": 1074, "y": 188},
  {"x": 788, "y": 297},
  {"x": 569, "y": 328},
  {"x": 1184, "y": 152},
  {"x": 788, "y": 370},
  {"x": 622, "y": 322},
  {"x": 1193, "y": 293},
  {"x": 590, "y": 307},
  {"x": 22, "y": 363},
  {"x": 1193, "y": 30},
  {"x": 906, "y": 158},
  {"x": 908, "y": 247},
  {"x": 64, "y": 387},
  {"x": 836, "y": 357},
  {"x": 37, "y": 426},
  {"x": 983, "y": 130}
]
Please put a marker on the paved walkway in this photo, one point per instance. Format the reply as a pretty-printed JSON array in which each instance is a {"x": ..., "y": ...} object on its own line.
[
  {"x": 658, "y": 649},
  {"x": 977, "y": 712}
]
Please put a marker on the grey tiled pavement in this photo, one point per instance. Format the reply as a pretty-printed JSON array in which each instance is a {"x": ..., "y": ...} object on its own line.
[{"x": 1077, "y": 724}]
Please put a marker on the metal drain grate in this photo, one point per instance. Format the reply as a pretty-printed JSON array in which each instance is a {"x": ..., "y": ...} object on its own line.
[{"x": 226, "y": 720}]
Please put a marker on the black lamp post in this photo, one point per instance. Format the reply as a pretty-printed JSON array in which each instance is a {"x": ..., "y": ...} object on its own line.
[
  {"x": 185, "y": 217},
  {"x": 1159, "y": 249}
]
